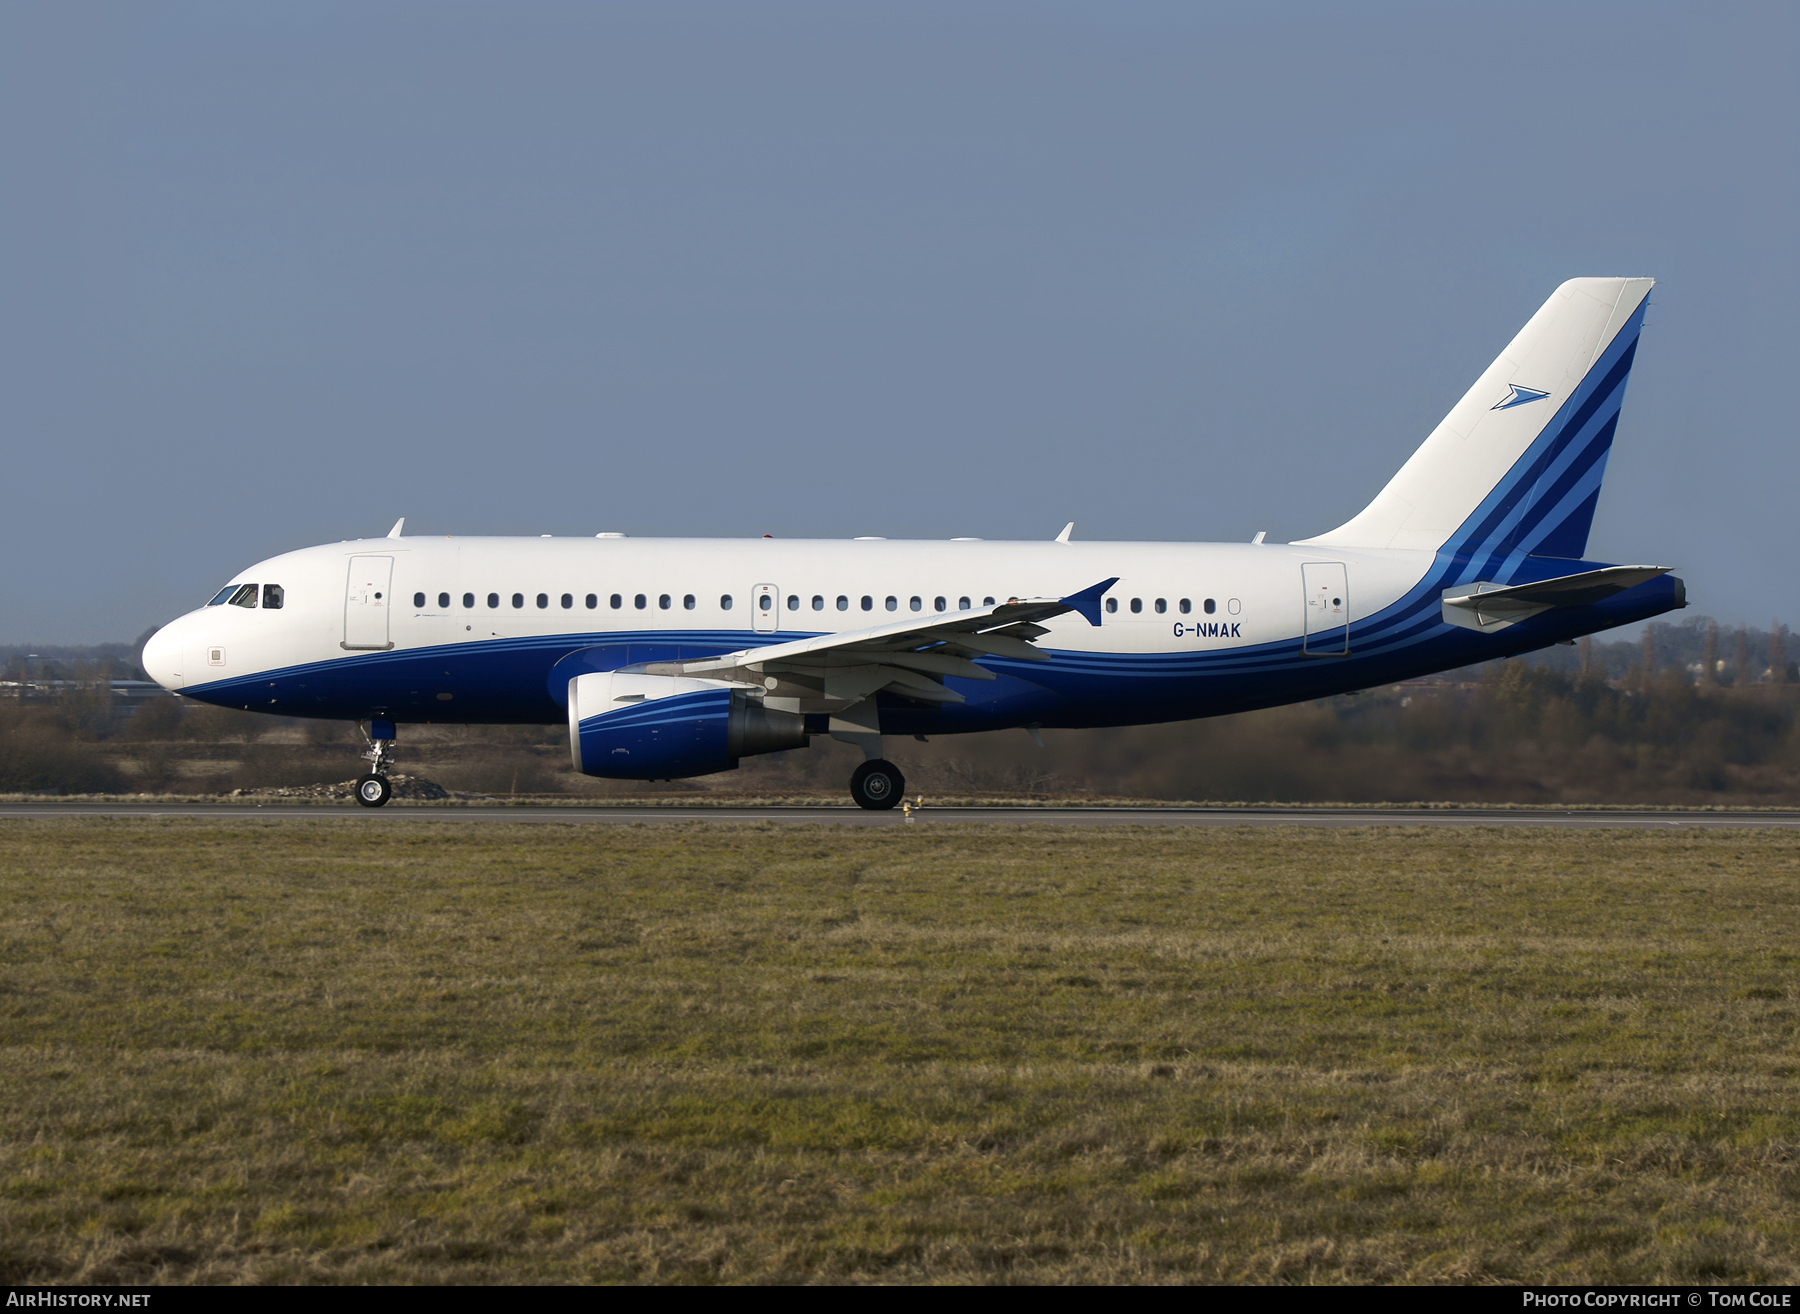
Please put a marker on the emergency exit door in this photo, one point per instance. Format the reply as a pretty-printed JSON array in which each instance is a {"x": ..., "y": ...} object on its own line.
[
  {"x": 367, "y": 604},
  {"x": 1327, "y": 588},
  {"x": 765, "y": 608}
]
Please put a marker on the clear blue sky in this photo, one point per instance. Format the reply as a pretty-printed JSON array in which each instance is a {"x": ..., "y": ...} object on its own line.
[{"x": 276, "y": 274}]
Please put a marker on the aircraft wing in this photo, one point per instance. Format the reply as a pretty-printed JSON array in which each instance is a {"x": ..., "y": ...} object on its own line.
[{"x": 908, "y": 657}]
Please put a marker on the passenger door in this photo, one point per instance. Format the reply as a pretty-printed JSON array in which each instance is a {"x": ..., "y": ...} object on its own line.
[{"x": 368, "y": 602}]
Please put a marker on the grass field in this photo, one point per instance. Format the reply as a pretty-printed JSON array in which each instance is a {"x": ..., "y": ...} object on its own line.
[{"x": 326, "y": 1051}]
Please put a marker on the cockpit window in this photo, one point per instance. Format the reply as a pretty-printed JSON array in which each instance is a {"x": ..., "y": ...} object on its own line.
[
  {"x": 224, "y": 593},
  {"x": 273, "y": 596},
  {"x": 245, "y": 596}
]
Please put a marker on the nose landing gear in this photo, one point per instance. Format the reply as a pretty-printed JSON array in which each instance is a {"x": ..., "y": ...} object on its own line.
[{"x": 373, "y": 789}]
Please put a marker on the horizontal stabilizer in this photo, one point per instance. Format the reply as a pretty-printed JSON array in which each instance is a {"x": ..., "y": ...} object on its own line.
[{"x": 1489, "y": 606}]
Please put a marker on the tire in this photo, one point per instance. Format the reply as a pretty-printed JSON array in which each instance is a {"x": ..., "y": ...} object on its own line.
[
  {"x": 877, "y": 785},
  {"x": 372, "y": 791}
]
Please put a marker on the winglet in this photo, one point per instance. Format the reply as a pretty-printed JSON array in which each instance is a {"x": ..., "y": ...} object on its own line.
[
  {"x": 1087, "y": 602},
  {"x": 395, "y": 531},
  {"x": 1067, "y": 530}
]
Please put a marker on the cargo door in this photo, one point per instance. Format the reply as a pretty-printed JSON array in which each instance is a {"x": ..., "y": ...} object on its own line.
[
  {"x": 368, "y": 604},
  {"x": 1327, "y": 588}
]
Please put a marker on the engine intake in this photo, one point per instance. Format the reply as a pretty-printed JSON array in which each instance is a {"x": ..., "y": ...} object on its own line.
[{"x": 664, "y": 727}]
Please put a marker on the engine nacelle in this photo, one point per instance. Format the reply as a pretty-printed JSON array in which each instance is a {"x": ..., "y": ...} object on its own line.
[{"x": 663, "y": 727}]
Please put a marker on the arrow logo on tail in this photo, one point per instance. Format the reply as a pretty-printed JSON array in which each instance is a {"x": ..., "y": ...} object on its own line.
[{"x": 1518, "y": 397}]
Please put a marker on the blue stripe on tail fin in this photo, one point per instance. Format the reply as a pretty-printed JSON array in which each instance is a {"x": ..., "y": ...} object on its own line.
[
  {"x": 1514, "y": 469},
  {"x": 1545, "y": 504}
]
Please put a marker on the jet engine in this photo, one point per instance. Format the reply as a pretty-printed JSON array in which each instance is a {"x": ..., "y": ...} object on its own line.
[{"x": 663, "y": 727}]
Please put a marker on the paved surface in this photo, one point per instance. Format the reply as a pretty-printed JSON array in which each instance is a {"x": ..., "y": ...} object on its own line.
[{"x": 853, "y": 816}]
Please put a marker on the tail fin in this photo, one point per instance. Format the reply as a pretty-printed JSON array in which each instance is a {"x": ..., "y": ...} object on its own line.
[{"x": 1514, "y": 470}]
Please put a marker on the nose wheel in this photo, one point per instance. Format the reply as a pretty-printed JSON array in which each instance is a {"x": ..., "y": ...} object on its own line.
[
  {"x": 877, "y": 785},
  {"x": 373, "y": 789}
]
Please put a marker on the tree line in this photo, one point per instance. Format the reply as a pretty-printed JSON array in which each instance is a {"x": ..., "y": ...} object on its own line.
[{"x": 1689, "y": 713}]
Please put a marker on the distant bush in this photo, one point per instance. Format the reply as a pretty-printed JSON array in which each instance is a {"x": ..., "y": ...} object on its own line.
[
  {"x": 157, "y": 769},
  {"x": 501, "y": 772},
  {"x": 321, "y": 733},
  {"x": 271, "y": 766},
  {"x": 40, "y": 755},
  {"x": 216, "y": 724},
  {"x": 512, "y": 736},
  {"x": 1517, "y": 733},
  {"x": 154, "y": 719}
]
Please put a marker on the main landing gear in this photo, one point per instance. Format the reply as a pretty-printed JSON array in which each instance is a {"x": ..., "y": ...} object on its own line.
[
  {"x": 373, "y": 789},
  {"x": 877, "y": 785}
]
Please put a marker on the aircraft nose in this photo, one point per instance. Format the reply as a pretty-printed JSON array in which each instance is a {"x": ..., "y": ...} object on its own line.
[{"x": 162, "y": 657}]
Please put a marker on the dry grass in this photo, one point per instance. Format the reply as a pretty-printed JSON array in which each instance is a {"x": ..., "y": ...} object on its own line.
[{"x": 345, "y": 1051}]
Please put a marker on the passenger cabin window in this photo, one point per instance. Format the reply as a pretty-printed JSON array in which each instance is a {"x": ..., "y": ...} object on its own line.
[
  {"x": 916, "y": 604},
  {"x": 843, "y": 603},
  {"x": 868, "y": 603},
  {"x": 662, "y": 601},
  {"x": 893, "y": 603},
  {"x": 962, "y": 604},
  {"x": 765, "y": 602},
  {"x": 1186, "y": 606},
  {"x": 245, "y": 596},
  {"x": 1112, "y": 604},
  {"x": 793, "y": 602},
  {"x": 273, "y": 596},
  {"x": 725, "y": 602},
  {"x": 1209, "y": 606},
  {"x": 418, "y": 600},
  {"x": 818, "y": 602},
  {"x": 443, "y": 602},
  {"x": 469, "y": 600},
  {"x": 615, "y": 602},
  {"x": 1137, "y": 605},
  {"x": 639, "y": 601},
  {"x": 1162, "y": 605},
  {"x": 593, "y": 600},
  {"x": 493, "y": 599},
  {"x": 568, "y": 600},
  {"x": 687, "y": 601},
  {"x": 987, "y": 602},
  {"x": 937, "y": 604},
  {"x": 543, "y": 600},
  {"x": 518, "y": 600}
]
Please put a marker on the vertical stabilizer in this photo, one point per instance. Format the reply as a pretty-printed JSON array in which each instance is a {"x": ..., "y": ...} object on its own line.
[{"x": 1515, "y": 468}]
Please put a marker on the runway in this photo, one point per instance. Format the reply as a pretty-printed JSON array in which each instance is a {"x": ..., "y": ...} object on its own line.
[{"x": 400, "y": 813}]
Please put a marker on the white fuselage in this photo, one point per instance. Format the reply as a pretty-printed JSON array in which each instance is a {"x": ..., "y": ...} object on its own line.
[
  {"x": 471, "y": 629},
  {"x": 1235, "y": 595}
]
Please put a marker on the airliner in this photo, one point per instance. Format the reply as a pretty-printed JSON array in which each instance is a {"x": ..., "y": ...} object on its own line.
[{"x": 673, "y": 658}]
